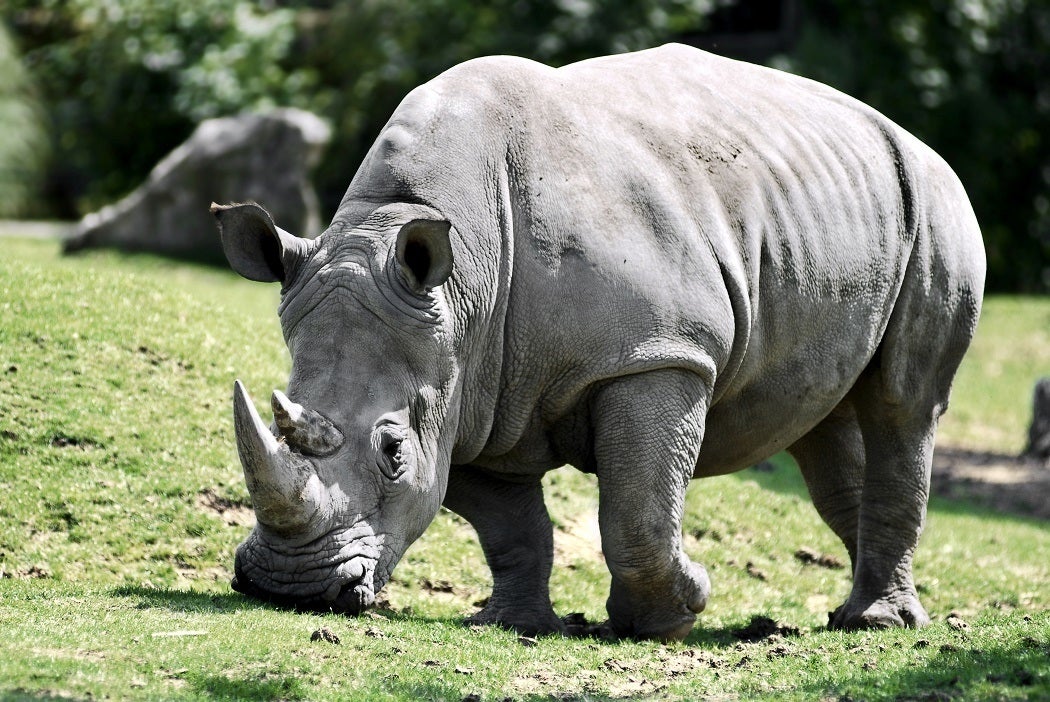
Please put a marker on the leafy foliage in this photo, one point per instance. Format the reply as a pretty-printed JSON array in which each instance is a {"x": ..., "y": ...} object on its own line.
[
  {"x": 23, "y": 142},
  {"x": 126, "y": 81},
  {"x": 370, "y": 54}
]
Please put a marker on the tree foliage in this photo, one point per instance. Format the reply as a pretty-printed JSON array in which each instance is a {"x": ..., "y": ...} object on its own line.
[
  {"x": 23, "y": 143},
  {"x": 370, "y": 54},
  {"x": 125, "y": 81},
  {"x": 969, "y": 77}
]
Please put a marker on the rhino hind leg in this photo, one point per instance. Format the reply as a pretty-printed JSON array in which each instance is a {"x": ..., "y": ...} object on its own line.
[
  {"x": 898, "y": 401},
  {"x": 647, "y": 433},
  {"x": 898, "y": 450},
  {"x": 831, "y": 458},
  {"x": 516, "y": 536}
]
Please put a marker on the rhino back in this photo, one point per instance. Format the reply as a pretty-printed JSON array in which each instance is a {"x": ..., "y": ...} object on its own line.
[{"x": 667, "y": 208}]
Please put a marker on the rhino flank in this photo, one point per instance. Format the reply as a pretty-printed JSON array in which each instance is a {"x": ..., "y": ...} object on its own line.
[{"x": 653, "y": 267}]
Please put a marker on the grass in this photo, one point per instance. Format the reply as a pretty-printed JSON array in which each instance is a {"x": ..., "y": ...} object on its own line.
[
  {"x": 991, "y": 404},
  {"x": 121, "y": 502}
]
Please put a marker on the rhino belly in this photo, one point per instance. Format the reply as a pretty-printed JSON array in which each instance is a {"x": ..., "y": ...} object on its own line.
[
  {"x": 778, "y": 400},
  {"x": 740, "y": 434}
]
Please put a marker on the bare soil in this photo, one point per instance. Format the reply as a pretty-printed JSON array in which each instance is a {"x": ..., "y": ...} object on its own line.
[{"x": 1007, "y": 484}]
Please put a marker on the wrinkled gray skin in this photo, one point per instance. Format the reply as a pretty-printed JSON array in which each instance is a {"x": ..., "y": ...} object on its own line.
[{"x": 654, "y": 267}]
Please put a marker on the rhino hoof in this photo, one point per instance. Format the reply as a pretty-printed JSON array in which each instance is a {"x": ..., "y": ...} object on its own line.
[
  {"x": 879, "y": 615},
  {"x": 524, "y": 623}
]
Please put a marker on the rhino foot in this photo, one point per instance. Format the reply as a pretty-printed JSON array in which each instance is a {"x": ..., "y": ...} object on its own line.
[
  {"x": 660, "y": 609},
  {"x": 900, "y": 611},
  {"x": 525, "y": 621}
]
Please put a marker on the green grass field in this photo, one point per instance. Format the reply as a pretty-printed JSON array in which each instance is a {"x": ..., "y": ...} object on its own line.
[{"x": 121, "y": 502}]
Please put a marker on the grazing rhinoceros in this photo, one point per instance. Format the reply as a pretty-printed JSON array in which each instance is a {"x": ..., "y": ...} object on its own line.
[{"x": 654, "y": 266}]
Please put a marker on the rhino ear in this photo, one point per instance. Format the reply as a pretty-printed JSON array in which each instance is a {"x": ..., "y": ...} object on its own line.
[
  {"x": 424, "y": 253},
  {"x": 255, "y": 247}
]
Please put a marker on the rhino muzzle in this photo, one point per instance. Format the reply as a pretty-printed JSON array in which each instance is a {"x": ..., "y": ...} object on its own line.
[
  {"x": 286, "y": 492},
  {"x": 349, "y": 588}
]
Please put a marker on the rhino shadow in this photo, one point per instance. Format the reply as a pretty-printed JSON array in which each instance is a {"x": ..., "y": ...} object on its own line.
[
  {"x": 980, "y": 484},
  {"x": 175, "y": 600},
  {"x": 186, "y": 600}
]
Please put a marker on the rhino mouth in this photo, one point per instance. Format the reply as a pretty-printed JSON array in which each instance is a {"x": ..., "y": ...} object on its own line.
[{"x": 305, "y": 579}]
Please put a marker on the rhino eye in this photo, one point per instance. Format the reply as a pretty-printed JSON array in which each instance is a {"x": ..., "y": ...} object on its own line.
[{"x": 392, "y": 447}]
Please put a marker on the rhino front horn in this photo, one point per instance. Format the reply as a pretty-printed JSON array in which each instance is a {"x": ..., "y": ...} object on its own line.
[
  {"x": 286, "y": 492},
  {"x": 304, "y": 429}
]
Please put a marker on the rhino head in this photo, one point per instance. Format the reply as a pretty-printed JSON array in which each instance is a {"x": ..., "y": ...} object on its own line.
[{"x": 355, "y": 464}]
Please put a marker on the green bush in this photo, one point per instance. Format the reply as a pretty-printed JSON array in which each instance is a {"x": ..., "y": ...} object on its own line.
[
  {"x": 23, "y": 141},
  {"x": 370, "y": 54},
  {"x": 125, "y": 82}
]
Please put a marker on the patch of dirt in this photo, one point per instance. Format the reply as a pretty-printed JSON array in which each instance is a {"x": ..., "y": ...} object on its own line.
[
  {"x": 809, "y": 556},
  {"x": 437, "y": 586},
  {"x": 33, "y": 572},
  {"x": 754, "y": 571},
  {"x": 578, "y": 539},
  {"x": 1009, "y": 484},
  {"x": 326, "y": 635},
  {"x": 76, "y": 442},
  {"x": 689, "y": 660},
  {"x": 760, "y": 628},
  {"x": 233, "y": 513}
]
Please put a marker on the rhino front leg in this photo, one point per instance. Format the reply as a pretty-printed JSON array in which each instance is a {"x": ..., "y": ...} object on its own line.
[
  {"x": 516, "y": 536},
  {"x": 648, "y": 429}
]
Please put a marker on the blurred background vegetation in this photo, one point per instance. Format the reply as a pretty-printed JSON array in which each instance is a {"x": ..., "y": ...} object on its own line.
[{"x": 94, "y": 92}]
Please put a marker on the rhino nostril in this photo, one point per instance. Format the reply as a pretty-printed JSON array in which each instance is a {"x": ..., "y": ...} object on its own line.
[{"x": 347, "y": 590}]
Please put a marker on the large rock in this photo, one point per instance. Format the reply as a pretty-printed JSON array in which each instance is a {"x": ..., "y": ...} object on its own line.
[
  {"x": 1039, "y": 431},
  {"x": 261, "y": 157}
]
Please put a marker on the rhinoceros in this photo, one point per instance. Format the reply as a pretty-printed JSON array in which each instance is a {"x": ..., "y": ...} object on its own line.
[{"x": 653, "y": 267}]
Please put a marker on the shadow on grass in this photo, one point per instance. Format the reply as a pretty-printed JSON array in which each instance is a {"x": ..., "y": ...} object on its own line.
[
  {"x": 1017, "y": 671},
  {"x": 206, "y": 602},
  {"x": 781, "y": 474},
  {"x": 1020, "y": 670},
  {"x": 187, "y": 600},
  {"x": 219, "y": 687},
  {"x": 23, "y": 694}
]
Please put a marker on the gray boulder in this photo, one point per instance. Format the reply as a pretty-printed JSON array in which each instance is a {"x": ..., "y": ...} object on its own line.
[
  {"x": 264, "y": 157},
  {"x": 1039, "y": 431}
]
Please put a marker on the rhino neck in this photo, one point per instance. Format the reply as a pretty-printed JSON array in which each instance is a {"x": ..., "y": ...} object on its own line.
[{"x": 484, "y": 331}]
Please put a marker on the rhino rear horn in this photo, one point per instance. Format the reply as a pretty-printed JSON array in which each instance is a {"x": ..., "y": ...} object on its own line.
[
  {"x": 256, "y": 247},
  {"x": 304, "y": 429},
  {"x": 286, "y": 492}
]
